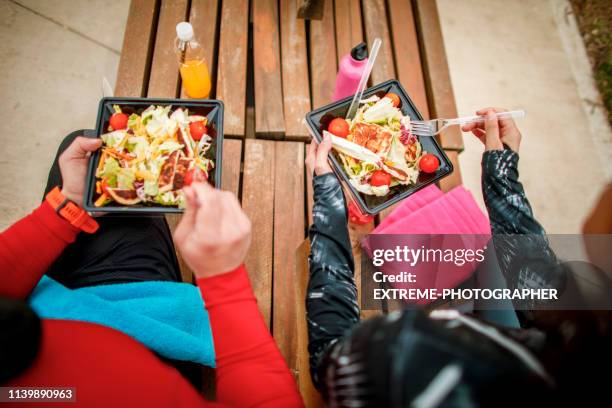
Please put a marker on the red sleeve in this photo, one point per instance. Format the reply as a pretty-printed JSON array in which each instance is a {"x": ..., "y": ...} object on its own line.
[
  {"x": 28, "y": 247},
  {"x": 250, "y": 368}
]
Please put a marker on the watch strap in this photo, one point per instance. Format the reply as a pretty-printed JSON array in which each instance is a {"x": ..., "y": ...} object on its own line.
[{"x": 71, "y": 212}]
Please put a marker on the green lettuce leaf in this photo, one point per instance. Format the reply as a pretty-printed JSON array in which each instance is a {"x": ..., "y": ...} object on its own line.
[
  {"x": 169, "y": 146},
  {"x": 166, "y": 198},
  {"x": 133, "y": 121},
  {"x": 125, "y": 179},
  {"x": 382, "y": 112},
  {"x": 396, "y": 156},
  {"x": 109, "y": 171},
  {"x": 151, "y": 188},
  {"x": 113, "y": 139},
  {"x": 137, "y": 145}
]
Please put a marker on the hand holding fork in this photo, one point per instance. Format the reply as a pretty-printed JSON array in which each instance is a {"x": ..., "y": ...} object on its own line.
[{"x": 496, "y": 121}]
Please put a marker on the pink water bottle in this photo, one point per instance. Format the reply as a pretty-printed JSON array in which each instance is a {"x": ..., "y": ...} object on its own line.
[{"x": 349, "y": 73}]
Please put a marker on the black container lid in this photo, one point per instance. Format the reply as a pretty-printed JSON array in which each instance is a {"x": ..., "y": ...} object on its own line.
[{"x": 360, "y": 51}]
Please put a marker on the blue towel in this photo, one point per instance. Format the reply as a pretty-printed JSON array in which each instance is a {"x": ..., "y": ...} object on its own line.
[{"x": 167, "y": 317}]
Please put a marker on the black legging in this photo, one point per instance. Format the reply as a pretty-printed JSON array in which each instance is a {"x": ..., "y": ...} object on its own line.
[{"x": 126, "y": 248}]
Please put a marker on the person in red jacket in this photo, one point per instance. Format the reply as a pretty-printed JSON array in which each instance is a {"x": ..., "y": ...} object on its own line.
[{"x": 105, "y": 367}]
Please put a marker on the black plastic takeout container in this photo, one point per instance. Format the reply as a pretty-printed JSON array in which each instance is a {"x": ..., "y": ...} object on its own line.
[
  {"x": 319, "y": 119},
  {"x": 212, "y": 109}
]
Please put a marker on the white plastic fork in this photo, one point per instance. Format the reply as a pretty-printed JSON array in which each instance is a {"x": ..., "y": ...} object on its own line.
[{"x": 433, "y": 127}]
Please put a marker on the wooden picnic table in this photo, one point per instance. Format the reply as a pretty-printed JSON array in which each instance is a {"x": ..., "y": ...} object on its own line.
[{"x": 270, "y": 68}]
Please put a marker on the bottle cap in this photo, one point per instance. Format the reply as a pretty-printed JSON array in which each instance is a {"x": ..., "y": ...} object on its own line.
[
  {"x": 184, "y": 31},
  {"x": 360, "y": 52}
]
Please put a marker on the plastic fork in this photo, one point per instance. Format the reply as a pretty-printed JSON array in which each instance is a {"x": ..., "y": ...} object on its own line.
[{"x": 435, "y": 126}]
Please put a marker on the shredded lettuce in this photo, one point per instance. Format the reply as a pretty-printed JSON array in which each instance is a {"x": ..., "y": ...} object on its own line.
[
  {"x": 125, "y": 178},
  {"x": 380, "y": 190},
  {"x": 147, "y": 115},
  {"x": 109, "y": 171},
  {"x": 157, "y": 122},
  {"x": 367, "y": 188},
  {"x": 137, "y": 145},
  {"x": 180, "y": 199},
  {"x": 151, "y": 187},
  {"x": 180, "y": 117},
  {"x": 371, "y": 100},
  {"x": 396, "y": 155},
  {"x": 382, "y": 112},
  {"x": 166, "y": 198},
  {"x": 134, "y": 121},
  {"x": 170, "y": 146},
  {"x": 113, "y": 139}
]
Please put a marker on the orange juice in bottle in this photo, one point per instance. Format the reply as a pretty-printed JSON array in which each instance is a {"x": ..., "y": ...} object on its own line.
[{"x": 194, "y": 70}]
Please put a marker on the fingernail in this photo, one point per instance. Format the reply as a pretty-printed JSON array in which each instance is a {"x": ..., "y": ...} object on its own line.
[{"x": 491, "y": 115}]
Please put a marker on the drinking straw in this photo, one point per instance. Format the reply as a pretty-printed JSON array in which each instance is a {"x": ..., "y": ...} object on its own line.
[{"x": 364, "y": 79}]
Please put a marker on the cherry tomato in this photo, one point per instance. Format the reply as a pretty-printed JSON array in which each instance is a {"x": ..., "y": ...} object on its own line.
[
  {"x": 197, "y": 130},
  {"x": 118, "y": 121},
  {"x": 356, "y": 216},
  {"x": 380, "y": 178},
  {"x": 429, "y": 163},
  {"x": 394, "y": 99},
  {"x": 339, "y": 127},
  {"x": 195, "y": 174}
]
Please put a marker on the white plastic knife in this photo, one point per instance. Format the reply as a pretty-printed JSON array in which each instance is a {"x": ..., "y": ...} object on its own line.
[{"x": 353, "y": 149}]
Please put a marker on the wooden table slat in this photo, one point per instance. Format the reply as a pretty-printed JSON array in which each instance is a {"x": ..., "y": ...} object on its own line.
[
  {"x": 258, "y": 204},
  {"x": 164, "y": 79},
  {"x": 309, "y": 196},
  {"x": 323, "y": 64},
  {"x": 437, "y": 76},
  {"x": 407, "y": 54},
  {"x": 348, "y": 26},
  {"x": 454, "y": 179},
  {"x": 133, "y": 71},
  {"x": 310, "y": 9},
  {"x": 375, "y": 17},
  {"x": 288, "y": 235},
  {"x": 232, "y": 155},
  {"x": 384, "y": 213},
  {"x": 232, "y": 64},
  {"x": 357, "y": 233},
  {"x": 203, "y": 18},
  {"x": 269, "y": 116},
  {"x": 296, "y": 90}
]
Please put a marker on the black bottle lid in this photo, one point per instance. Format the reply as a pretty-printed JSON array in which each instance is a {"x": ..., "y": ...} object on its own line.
[{"x": 360, "y": 52}]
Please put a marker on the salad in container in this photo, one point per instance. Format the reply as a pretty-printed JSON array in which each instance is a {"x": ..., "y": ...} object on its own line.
[
  {"x": 150, "y": 150},
  {"x": 375, "y": 153}
]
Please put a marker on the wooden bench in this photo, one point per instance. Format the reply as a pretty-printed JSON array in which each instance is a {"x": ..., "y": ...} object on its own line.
[{"x": 270, "y": 68}]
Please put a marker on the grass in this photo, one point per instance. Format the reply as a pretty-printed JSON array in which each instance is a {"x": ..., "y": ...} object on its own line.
[{"x": 595, "y": 21}]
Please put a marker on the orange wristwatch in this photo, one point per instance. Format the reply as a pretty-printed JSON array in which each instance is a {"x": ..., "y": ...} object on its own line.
[{"x": 74, "y": 214}]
